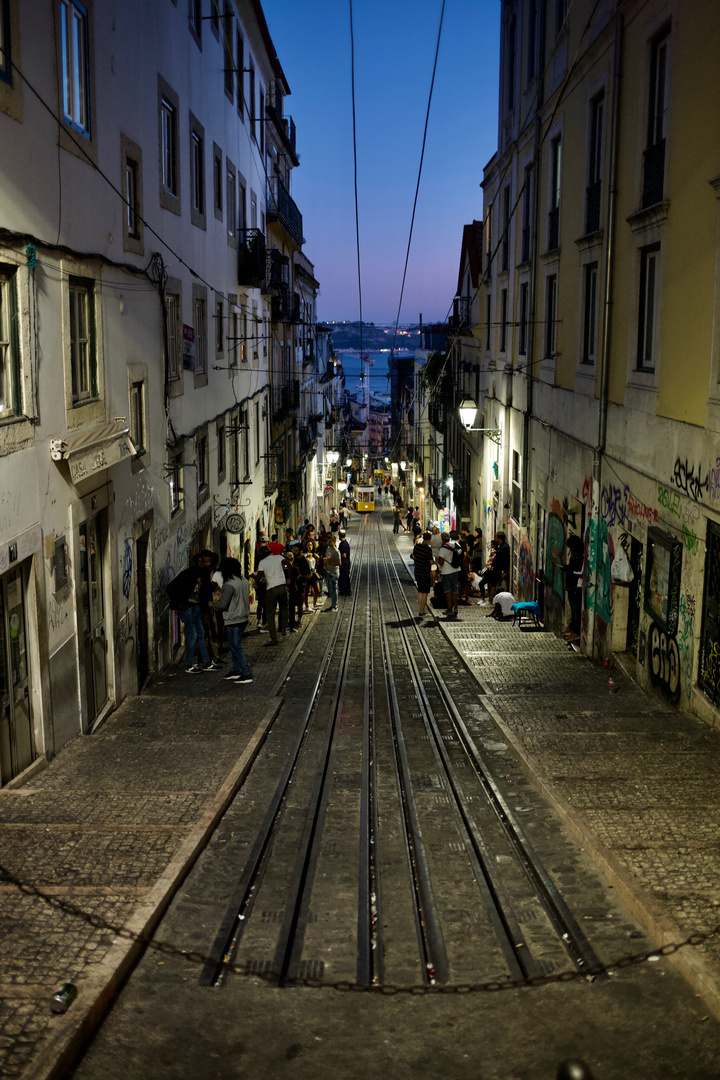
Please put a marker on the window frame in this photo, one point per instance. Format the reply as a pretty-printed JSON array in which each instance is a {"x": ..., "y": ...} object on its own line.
[
  {"x": 83, "y": 287},
  {"x": 523, "y": 312},
  {"x": 202, "y": 461},
  {"x": 200, "y": 328},
  {"x": 5, "y": 43},
  {"x": 198, "y": 193},
  {"x": 176, "y": 484},
  {"x": 219, "y": 326},
  {"x": 174, "y": 361},
  {"x": 231, "y": 203},
  {"x": 10, "y": 316},
  {"x": 550, "y": 335},
  {"x": 228, "y": 58},
  {"x": 218, "y": 187},
  {"x": 138, "y": 415},
  {"x": 75, "y": 68},
  {"x": 590, "y": 314},
  {"x": 131, "y": 163},
  {"x": 221, "y": 455},
  {"x": 650, "y": 256},
  {"x": 170, "y": 180}
]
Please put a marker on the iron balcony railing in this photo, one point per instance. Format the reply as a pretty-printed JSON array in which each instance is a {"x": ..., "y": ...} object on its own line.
[
  {"x": 281, "y": 402},
  {"x": 282, "y": 209},
  {"x": 252, "y": 258},
  {"x": 461, "y": 313},
  {"x": 272, "y": 473}
]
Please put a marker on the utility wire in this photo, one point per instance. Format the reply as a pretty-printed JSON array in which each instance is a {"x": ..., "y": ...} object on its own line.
[{"x": 417, "y": 185}]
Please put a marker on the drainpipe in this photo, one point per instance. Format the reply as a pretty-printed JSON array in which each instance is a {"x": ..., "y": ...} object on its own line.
[
  {"x": 607, "y": 310},
  {"x": 532, "y": 292}
]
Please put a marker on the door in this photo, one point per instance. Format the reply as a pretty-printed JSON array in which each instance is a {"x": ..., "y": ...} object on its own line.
[
  {"x": 16, "y": 746},
  {"x": 92, "y": 597},
  {"x": 142, "y": 552},
  {"x": 709, "y": 668},
  {"x": 634, "y": 596}
]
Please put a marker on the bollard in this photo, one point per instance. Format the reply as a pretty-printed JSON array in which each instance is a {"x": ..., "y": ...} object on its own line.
[{"x": 574, "y": 1069}]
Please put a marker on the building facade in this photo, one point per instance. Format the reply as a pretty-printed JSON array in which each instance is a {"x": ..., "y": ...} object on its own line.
[{"x": 147, "y": 239}]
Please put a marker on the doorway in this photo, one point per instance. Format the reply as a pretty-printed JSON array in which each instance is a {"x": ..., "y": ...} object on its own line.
[
  {"x": 92, "y": 603},
  {"x": 142, "y": 555},
  {"x": 634, "y": 596},
  {"x": 16, "y": 743}
]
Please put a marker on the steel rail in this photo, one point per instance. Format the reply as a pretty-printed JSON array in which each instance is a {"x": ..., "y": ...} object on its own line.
[
  {"x": 227, "y": 940},
  {"x": 559, "y": 914}
]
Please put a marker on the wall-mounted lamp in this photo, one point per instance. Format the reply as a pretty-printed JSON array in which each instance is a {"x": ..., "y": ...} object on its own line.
[{"x": 468, "y": 412}]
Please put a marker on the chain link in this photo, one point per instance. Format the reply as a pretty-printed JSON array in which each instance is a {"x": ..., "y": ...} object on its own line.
[{"x": 166, "y": 948}]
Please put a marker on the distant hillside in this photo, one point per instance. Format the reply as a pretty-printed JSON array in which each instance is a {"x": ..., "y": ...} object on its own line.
[{"x": 346, "y": 335}]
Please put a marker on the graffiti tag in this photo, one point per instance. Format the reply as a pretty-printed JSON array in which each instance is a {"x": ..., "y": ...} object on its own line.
[
  {"x": 664, "y": 661},
  {"x": 685, "y": 479}
]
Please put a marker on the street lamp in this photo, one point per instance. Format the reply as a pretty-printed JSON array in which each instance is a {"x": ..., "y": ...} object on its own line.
[
  {"x": 348, "y": 462},
  {"x": 468, "y": 412},
  {"x": 333, "y": 457},
  {"x": 403, "y": 465}
]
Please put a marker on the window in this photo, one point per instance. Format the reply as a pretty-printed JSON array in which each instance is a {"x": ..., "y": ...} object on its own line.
[
  {"x": 217, "y": 182},
  {"x": 662, "y": 578},
  {"x": 531, "y": 39},
  {"x": 172, "y": 309},
  {"x": 203, "y": 478},
  {"x": 242, "y": 204},
  {"x": 245, "y": 442},
  {"x": 503, "y": 319},
  {"x": 240, "y": 50},
  {"x": 506, "y": 229},
  {"x": 526, "y": 215},
  {"x": 9, "y": 346},
  {"x": 235, "y": 344},
  {"x": 523, "y": 319},
  {"x": 132, "y": 224},
  {"x": 489, "y": 240},
  {"x": 550, "y": 315},
  {"x": 169, "y": 147},
  {"x": 553, "y": 231},
  {"x": 5, "y": 54},
  {"x": 233, "y": 436},
  {"x": 488, "y": 315},
  {"x": 200, "y": 326},
  {"x": 594, "y": 188},
  {"x": 137, "y": 416},
  {"x": 589, "y": 350},
  {"x": 648, "y": 308},
  {"x": 251, "y": 98},
  {"x": 516, "y": 490},
  {"x": 219, "y": 327},
  {"x": 197, "y": 173},
  {"x": 510, "y": 52},
  {"x": 230, "y": 201},
  {"x": 83, "y": 361},
  {"x": 75, "y": 80},
  {"x": 195, "y": 19},
  {"x": 658, "y": 116},
  {"x": 262, "y": 121},
  {"x": 176, "y": 484},
  {"x": 220, "y": 451},
  {"x": 257, "y": 432},
  {"x": 228, "y": 68}
]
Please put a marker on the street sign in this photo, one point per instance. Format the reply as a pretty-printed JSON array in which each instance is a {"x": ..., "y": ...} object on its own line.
[{"x": 234, "y": 523}]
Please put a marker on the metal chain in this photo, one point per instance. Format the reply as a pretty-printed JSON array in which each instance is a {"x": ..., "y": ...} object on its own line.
[{"x": 166, "y": 948}]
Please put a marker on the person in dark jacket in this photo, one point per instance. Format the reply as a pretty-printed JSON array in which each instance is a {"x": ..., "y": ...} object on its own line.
[
  {"x": 184, "y": 596},
  {"x": 234, "y": 603},
  {"x": 344, "y": 579},
  {"x": 501, "y": 565}
]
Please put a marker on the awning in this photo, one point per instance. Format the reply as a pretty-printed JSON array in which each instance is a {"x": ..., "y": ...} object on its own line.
[{"x": 92, "y": 449}]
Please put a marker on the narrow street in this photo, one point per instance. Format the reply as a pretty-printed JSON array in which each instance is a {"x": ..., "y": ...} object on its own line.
[{"x": 456, "y": 821}]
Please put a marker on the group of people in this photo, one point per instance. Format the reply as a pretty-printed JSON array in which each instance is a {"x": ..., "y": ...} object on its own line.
[
  {"x": 213, "y": 598},
  {"x": 451, "y": 564}
]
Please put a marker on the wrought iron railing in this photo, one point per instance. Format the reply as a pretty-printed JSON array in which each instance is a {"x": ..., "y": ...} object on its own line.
[
  {"x": 282, "y": 208},
  {"x": 252, "y": 258}
]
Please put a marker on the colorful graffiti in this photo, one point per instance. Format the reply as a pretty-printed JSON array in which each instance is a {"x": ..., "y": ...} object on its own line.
[
  {"x": 526, "y": 577},
  {"x": 599, "y": 554},
  {"x": 685, "y": 479},
  {"x": 670, "y": 500},
  {"x": 714, "y": 480},
  {"x": 685, "y": 637},
  {"x": 554, "y": 555}
]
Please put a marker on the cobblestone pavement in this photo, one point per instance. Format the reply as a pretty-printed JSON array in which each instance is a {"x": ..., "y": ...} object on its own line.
[
  {"x": 112, "y": 825},
  {"x": 116, "y": 819},
  {"x": 636, "y": 780}
]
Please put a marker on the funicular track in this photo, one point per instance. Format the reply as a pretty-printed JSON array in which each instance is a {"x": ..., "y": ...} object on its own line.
[{"x": 382, "y": 778}]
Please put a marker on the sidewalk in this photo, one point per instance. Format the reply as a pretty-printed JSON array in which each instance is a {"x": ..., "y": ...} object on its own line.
[
  {"x": 113, "y": 824},
  {"x": 636, "y": 781}
]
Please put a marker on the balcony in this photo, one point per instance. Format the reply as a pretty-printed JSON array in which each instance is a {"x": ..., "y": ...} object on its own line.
[
  {"x": 296, "y": 309},
  {"x": 252, "y": 258},
  {"x": 282, "y": 209},
  {"x": 280, "y": 402},
  {"x": 436, "y": 415},
  {"x": 280, "y": 306},
  {"x": 437, "y": 491},
  {"x": 272, "y": 473},
  {"x": 284, "y": 125},
  {"x": 461, "y": 313},
  {"x": 654, "y": 174}
]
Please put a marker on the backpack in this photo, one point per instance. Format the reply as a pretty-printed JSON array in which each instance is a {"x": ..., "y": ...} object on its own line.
[{"x": 456, "y": 557}]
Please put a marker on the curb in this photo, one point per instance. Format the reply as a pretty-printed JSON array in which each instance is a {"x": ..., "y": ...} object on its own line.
[{"x": 60, "y": 1049}]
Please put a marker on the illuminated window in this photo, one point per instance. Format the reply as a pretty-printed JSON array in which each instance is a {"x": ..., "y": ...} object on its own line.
[{"x": 75, "y": 83}]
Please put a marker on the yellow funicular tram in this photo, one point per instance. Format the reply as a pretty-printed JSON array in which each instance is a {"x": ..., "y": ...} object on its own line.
[{"x": 364, "y": 498}]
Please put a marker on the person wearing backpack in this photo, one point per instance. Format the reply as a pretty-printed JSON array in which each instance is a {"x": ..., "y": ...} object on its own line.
[
  {"x": 449, "y": 560},
  {"x": 183, "y": 594}
]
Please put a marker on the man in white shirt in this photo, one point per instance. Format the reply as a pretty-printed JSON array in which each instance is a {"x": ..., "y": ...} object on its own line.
[
  {"x": 449, "y": 574},
  {"x": 272, "y": 567},
  {"x": 503, "y": 606}
]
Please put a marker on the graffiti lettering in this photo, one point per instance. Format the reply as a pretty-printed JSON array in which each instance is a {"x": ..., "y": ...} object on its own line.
[
  {"x": 599, "y": 554},
  {"x": 670, "y": 500},
  {"x": 613, "y": 504},
  {"x": 525, "y": 571},
  {"x": 127, "y": 569},
  {"x": 58, "y": 613},
  {"x": 685, "y": 640},
  {"x": 587, "y": 497},
  {"x": 685, "y": 479},
  {"x": 714, "y": 480},
  {"x": 554, "y": 554},
  {"x": 711, "y": 668},
  {"x": 690, "y": 539},
  {"x": 664, "y": 661},
  {"x": 639, "y": 510}
]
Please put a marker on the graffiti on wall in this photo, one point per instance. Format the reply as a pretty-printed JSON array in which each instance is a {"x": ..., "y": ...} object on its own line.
[
  {"x": 685, "y": 637},
  {"x": 685, "y": 479},
  {"x": 127, "y": 569},
  {"x": 599, "y": 554},
  {"x": 554, "y": 556},
  {"x": 714, "y": 480},
  {"x": 664, "y": 661},
  {"x": 526, "y": 578}
]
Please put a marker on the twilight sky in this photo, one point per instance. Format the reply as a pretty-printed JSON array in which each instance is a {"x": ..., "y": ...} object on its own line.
[{"x": 394, "y": 51}]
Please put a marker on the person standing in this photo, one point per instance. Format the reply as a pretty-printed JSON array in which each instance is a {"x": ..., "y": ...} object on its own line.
[
  {"x": 296, "y": 593},
  {"x": 502, "y": 562},
  {"x": 333, "y": 560},
  {"x": 408, "y": 519},
  {"x": 573, "y": 583},
  {"x": 234, "y": 603},
  {"x": 422, "y": 558},
  {"x": 344, "y": 578},
  {"x": 334, "y": 521},
  {"x": 183, "y": 593},
  {"x": 272, "y": 567},
  {"x": 396, "y": 520},
  {"x": 450, "y": 553}
]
